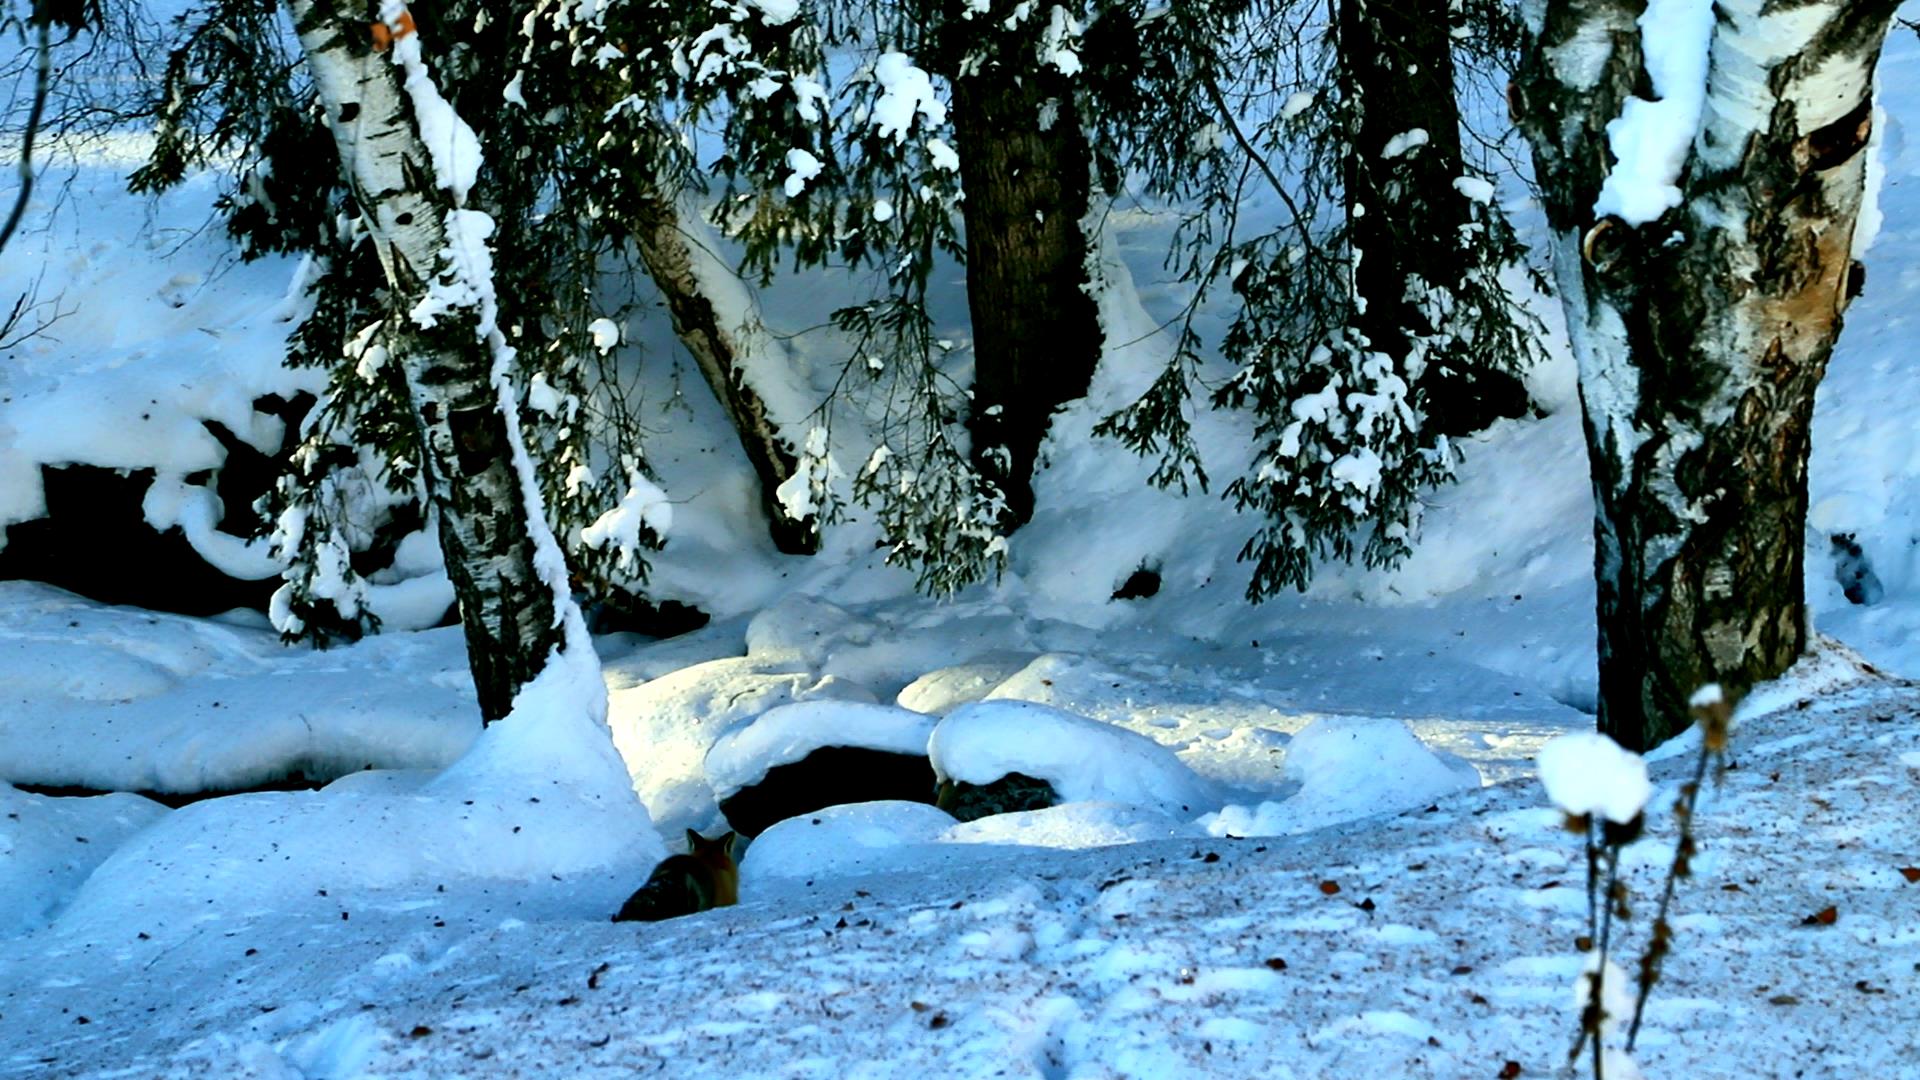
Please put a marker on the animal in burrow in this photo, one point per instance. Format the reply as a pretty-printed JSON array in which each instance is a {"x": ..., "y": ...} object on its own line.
[{"x": 705, "y": 877}]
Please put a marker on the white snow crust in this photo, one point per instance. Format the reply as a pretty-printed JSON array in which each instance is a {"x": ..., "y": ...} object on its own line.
[
  {"x": 1083, "y": 759},
  {"x": 787, "y": 733}
]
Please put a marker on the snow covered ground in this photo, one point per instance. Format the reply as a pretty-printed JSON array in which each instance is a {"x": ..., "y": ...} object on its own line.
[
  {"x": 1311, "y": 846},
  {"x": 1438, "y": 943}
]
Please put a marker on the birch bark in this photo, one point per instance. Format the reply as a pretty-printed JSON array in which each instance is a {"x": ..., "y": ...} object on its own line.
[
  {"x": 433, "y": 251},
  {"x": 722, "y": 353},
  {"x": 1702, "y": 335}
]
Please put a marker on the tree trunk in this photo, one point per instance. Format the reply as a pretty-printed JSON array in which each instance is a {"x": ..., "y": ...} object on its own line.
[
  {"x": 1702, "y": 335},
  {"x": 1403, "y": 214},
  {"x": 442, "y": 349},
  {"x": 675, "y": 269},
  {"x": 1036, "y": 331}
]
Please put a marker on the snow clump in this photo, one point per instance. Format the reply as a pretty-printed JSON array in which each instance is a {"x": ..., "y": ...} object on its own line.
[
  {"x": 1588, "y": 773},
  {"x": 1084, "y": 760}
]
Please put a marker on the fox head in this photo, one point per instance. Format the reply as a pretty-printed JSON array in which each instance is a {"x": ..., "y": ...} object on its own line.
[
  {"x": 712, "y": 852},
  {"x": 717, "y": 857}
]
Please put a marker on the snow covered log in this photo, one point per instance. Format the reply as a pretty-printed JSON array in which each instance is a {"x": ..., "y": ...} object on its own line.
[
  {"x": 409, "y": 161},
  {"x": 1704, "y": 248}
]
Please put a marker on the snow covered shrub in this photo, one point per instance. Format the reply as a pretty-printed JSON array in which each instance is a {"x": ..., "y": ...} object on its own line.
[{"x": 1603, "y": 789}]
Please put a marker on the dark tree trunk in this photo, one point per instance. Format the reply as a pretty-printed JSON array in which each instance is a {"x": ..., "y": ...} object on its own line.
[
  {"x": 1702, "y": 337},
  {"x": 1403, "y": 214},
  {"x": 1036, "y": 331},
  {"x": 670, "y": 262},
  {"x": 485, "y": 531}
]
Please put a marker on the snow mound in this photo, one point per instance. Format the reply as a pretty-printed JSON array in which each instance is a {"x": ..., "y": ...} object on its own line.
[
  {"x": 664, "y": 728},
  {"x": 845, "y": 841},
  {"x": 249, "y": 854},
  {"x": 886, "y": 648},
  {"x": 1350, "y": 767},
  {"x": 48, "y": 847},
  {"x": 943, "y": 690},
  {"x": 1073, "y": 826},
  {"x": 541, "y": 797},
  {"x": 805, "y": 629},
  {"x": 1085, "y": 760},
  {"x": 128, "y": 700},
  {"x": 787, "y": 733}
]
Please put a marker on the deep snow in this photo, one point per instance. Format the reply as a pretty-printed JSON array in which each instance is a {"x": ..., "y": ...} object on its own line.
[{"x": 414, "y": 917}]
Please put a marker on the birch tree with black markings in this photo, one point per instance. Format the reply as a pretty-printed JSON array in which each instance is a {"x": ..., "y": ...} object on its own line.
[
  {"x": 1703, "y": 167},
  {"x": 409, "y": 162}
]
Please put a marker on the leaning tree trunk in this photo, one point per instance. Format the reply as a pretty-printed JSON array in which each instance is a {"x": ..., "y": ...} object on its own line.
[
  {"x": 440, "y": 346},
  {"x": 1036, "y": 330},
  {"x": 1404, "y": 216},
  {"x": 718, "y": 350},
  {"x": 1702, "y": 335}
]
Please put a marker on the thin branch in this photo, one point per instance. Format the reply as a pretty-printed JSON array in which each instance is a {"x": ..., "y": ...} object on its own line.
[{"x": 42, "y": 81}]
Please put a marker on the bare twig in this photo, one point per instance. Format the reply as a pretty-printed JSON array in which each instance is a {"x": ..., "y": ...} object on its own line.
[{"x": 42, "y": 81}]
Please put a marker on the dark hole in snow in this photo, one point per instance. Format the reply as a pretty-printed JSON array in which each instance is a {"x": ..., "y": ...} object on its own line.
[
  {"x": 1011, "y": 794},
  {"x": 624, "y": 613},
  {"x": 1854, "y": 571},
  {"x": 1139, "y": 585},
  {"x": 95, "y": 540},
  {"x": 829, "y": 776}
]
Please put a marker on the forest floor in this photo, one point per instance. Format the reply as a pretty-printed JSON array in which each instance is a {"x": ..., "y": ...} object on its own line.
[{"x": 419, "y": 916}]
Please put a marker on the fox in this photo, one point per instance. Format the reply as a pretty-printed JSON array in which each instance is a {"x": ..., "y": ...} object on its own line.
[{"x": 706, "y": 877}]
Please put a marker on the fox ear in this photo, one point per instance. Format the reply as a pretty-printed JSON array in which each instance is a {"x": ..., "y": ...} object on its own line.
[
  {"x": 730, "y": 843},
  {"x": 694, "y": 840}
]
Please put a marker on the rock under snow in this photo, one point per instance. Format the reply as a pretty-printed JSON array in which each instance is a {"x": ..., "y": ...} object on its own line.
[
  {"x": 1350, "y": 767},
  {"x": 941, "y": 691},
  {"x": 1084, "y": 760},
  {"x": 785, "y": 734},
  {"x": 664, "y": 728},
  {"x": 858, "y": 838}
]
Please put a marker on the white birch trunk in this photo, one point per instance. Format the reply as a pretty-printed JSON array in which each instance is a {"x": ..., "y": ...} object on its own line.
[
  {"x": 435, "y": 258},
  {"x": 1702, "y": 335}
]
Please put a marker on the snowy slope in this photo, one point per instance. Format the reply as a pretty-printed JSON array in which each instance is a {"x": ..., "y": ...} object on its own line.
[{"x": 1446, "y": 951}]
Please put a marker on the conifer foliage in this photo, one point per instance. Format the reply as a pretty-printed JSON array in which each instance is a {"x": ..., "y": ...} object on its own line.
[{"x": 1358, "y": 253}]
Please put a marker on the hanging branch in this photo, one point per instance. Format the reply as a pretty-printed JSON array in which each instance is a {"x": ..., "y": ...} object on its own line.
[{"x": 42, "y": 23}]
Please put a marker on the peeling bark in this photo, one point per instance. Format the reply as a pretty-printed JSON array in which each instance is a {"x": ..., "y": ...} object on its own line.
[
  {"x": 718, "y": 351},
  {"x": 1702, "y": 336},
  {"x": 1036, "y": 331},
  {"x": 508, "y": 613}
]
